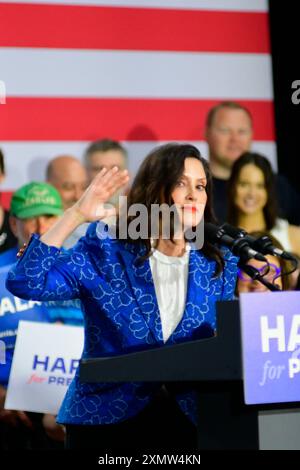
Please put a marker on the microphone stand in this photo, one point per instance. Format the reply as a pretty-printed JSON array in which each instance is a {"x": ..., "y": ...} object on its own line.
[{"x": 255, "y": 275}]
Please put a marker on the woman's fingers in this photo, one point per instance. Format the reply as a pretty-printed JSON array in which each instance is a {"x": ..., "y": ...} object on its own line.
[
  {"x": 117, "y": 181},
  {"x": 111, "y": 183},
  {"x": 100, "y": 175},
  {"x": 106, "y": 176},
  {"x": 103, "y": 186}
]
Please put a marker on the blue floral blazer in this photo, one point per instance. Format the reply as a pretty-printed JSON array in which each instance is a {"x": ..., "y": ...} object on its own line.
[{"x": 121, "y": 313}]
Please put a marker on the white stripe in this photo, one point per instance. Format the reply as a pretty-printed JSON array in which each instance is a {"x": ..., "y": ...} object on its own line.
[
  {"x": 27, "y": 161},
  {"x": 227, "y": 5},
  {"x": 66, "y": 73}
]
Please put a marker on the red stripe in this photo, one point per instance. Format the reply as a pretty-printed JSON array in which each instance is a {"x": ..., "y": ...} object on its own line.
[
  {"x": 77, "y": 119},
  {"x": 5, "y": 198},
  {"x": 82, "y": 27}
]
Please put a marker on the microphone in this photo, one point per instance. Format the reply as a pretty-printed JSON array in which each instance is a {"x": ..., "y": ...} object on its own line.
[
  {"x": 239, "y": 245},
  {"x": 262, "y": 244}
]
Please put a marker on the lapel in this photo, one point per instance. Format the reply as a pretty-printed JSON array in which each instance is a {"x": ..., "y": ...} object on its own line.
[
  {"x": 199, "y": 277},
  {"x": 140, "y": 278},
  {"x": 199, "y": 287}
]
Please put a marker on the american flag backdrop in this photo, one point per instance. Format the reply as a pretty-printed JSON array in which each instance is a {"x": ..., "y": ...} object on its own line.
[{"x": 139, "y": 71}]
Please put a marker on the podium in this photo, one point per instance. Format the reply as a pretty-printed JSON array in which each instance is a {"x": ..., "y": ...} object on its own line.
[{"x": 212, "y": 367}]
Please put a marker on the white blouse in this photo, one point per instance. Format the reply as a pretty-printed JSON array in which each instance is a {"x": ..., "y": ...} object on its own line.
[
  {"x": 281, "y": 232},
  {"x": 170, "y": 276}
]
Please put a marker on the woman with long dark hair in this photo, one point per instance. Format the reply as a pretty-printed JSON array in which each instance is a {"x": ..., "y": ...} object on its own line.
[
  {"x": 252, "y": 201},
  {"x": 148, "y": 283}
]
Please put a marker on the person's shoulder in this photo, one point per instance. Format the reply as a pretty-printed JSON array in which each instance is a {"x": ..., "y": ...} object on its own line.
[
  {"x": 230, "y": 260},
  {"x": 230, "y": 271},
  {"x": 281, "y": 224},
  {"x": 100, "y": 231},
  {"x": 101, "y": 235},
  {"x": 91, "y": 231},
  {"x": 228, "y": 256}
]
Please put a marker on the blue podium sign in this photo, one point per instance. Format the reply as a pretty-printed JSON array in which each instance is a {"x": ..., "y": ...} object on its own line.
[{"x": 270, "y": 325}]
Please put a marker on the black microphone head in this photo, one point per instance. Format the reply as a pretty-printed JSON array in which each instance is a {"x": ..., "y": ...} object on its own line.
[
  {"x": 233, "y": 231},
  {"x": 240, "y": 245},
  {"x": 215, "y": 234},
  {"x": 264, "y": 243}
]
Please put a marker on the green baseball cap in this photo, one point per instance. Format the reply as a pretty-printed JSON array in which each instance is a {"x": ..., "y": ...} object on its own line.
[{"x": 34, "y": 199}]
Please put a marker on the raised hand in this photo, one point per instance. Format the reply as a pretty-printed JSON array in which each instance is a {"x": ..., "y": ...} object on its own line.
[{"x": 90, "y": 207}]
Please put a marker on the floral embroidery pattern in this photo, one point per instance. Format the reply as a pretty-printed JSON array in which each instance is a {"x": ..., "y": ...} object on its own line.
[{"x": 118, "y": 297}]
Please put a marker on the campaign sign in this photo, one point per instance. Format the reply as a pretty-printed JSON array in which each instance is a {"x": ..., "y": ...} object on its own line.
[
  {"x": 13, "y": 309},
  {"x": 45, "y": 360},
  {"x": 271, "y": 346}
]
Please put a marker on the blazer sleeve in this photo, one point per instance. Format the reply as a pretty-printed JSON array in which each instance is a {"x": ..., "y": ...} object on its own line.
[{"x": 46, "y": 272}]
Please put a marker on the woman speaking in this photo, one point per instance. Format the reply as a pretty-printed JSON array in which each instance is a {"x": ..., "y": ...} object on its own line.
[{"x": 139, "y": 289}]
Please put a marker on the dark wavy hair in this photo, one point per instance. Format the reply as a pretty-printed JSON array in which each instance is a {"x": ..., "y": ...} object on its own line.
[
  {"x": 270, "y": 210},
  {"x": 155, "y": 181}
]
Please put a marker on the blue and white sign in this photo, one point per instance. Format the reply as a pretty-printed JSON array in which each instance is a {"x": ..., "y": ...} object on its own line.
[
  {"x": 13, "y": 309},
  {"x": 45, "y": 360},
  {"x": 271, "y": 346}
]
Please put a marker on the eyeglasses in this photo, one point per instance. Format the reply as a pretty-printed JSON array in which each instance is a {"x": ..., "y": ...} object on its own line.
[{"x": 268, "y": 271}]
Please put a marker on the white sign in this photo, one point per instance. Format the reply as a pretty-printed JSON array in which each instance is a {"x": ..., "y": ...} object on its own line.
[{"x": 45, "y": 361}]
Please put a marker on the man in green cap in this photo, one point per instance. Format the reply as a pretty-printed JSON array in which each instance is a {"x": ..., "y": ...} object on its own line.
[{"x": 34, "y": 208}]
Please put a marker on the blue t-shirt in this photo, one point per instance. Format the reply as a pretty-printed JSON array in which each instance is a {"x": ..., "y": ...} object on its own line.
[{"x": 12, "y": 310}]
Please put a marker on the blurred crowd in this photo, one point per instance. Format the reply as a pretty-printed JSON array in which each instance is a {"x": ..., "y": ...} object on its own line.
[{"x": 246, "y": 194}]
